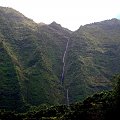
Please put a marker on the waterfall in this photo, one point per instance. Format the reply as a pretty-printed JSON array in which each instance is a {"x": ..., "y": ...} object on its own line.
[
  {"x": 67, "y": 97},
  {"x": 63, "y": 69}
]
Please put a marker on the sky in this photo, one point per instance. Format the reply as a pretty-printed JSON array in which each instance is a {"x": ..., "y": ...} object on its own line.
[{"x": 69, "y": 13}]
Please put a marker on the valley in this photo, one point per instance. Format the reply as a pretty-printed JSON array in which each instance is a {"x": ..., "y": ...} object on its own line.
[{"x": 48, "y": 65}]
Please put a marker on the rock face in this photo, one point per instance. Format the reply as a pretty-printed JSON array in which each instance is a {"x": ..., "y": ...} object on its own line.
[{"x": 31, "y": 60}]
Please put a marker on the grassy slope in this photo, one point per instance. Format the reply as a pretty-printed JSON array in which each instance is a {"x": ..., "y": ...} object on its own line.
[
  {"x": 93, "y": 57},
  {"x": 10, "y": 93},
  {"x": 39, "y": 52}
]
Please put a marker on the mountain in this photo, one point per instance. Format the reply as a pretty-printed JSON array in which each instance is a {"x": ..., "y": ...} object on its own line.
[
  {"x": 48, "y": 64},
  {"x": 93, "y": 57},
  {"x": 10, "y": 95},
  {"x": 36, "y": 53}
]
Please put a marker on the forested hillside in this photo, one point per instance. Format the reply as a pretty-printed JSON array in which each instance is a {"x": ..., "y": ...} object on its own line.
[
  {"x": 36, "y": 52},
  {"x": 100, "y": 106},
  {"x": 93, "y": 58},
  {"x": 50, "y": 65}
]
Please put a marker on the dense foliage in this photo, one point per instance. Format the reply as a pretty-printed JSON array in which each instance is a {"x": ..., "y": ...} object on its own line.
[
  {"x": 10, "y": 97},
  {"x": 31, "y": 61},
  {"x": 100, "y": 106}
]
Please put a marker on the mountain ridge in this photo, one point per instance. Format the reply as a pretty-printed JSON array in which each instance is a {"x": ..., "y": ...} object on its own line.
[{"x": 37, "y": 52}]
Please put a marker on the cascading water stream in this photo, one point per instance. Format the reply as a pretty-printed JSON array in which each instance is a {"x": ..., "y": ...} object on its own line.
[
  {"x": 67, "y": 97},
  {"x": 63, "y": 71}
]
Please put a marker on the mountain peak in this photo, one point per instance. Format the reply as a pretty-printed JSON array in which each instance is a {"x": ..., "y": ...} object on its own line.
[
  {"x": 11, "y": 12},
  {"x": 111, "y": 21},
  {"x": 58, "y": 27},
  {"x": 114, "y": 19},
  {"x": 41, "y": 24},
  {"x": 54, "y": 24}
]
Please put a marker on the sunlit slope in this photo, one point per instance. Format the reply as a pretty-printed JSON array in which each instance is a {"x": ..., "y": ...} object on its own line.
[{"x": 38, "y": 51}]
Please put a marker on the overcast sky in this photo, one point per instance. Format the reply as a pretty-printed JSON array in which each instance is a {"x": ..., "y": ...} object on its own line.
[{"x": 69, "y": 13}]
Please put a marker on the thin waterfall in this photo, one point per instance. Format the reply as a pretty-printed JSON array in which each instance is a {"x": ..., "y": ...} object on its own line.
[
  {"x": 63, "y": 69},
  {"x": 67, "y": 97}
]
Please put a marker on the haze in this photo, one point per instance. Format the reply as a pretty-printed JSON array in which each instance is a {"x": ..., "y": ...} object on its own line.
[{"x": 69, "y": 13}]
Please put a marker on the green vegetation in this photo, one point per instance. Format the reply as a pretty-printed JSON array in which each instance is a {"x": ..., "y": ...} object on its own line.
[
  {"x": 92, "y": 58},
  {"x": 36, "y": 55},
  {"x": 31, "y": 61},
  {"x": 100, "y": 106},
  {"x": 10, "y": 95}
]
